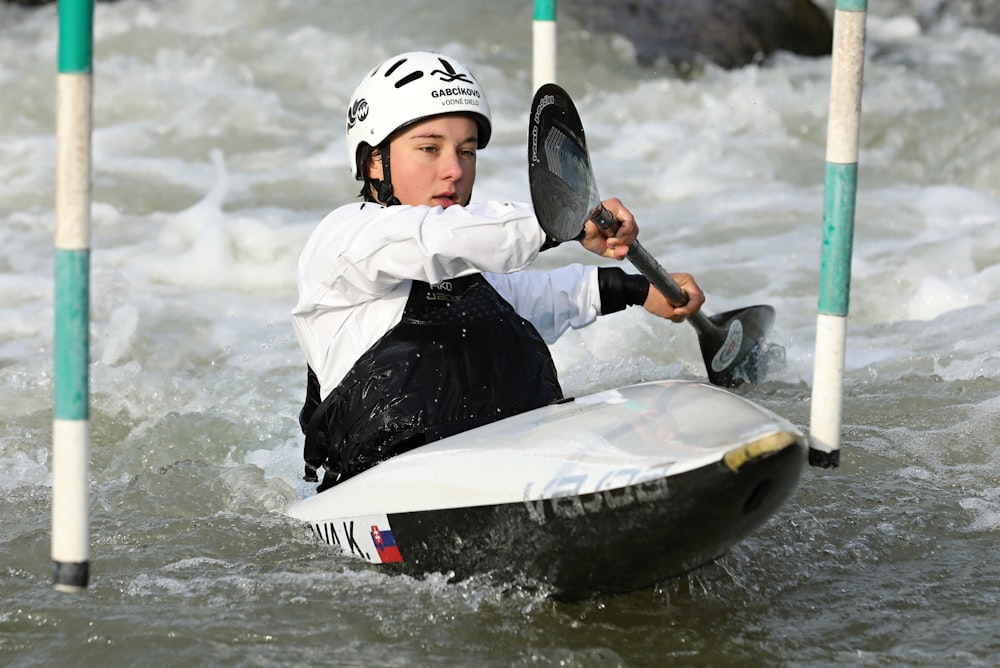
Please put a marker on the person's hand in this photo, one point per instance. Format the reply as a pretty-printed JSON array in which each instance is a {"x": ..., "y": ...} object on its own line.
[
  {"x": 616, "y": 245},
  {"x": 658, "y": 304}
]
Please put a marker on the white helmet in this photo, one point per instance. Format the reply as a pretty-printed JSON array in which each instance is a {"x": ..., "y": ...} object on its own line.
[{"x": 408, "y": 88}]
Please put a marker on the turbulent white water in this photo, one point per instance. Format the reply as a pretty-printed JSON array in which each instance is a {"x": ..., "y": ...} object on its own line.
[{"x": 218, "y": 145}]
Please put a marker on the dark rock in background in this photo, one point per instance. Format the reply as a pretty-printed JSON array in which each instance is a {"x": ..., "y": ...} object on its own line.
[{"x": 683, "y": 34}]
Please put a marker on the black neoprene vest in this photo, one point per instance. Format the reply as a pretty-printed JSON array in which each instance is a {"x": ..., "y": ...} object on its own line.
[{"x": 459, "y": 358}]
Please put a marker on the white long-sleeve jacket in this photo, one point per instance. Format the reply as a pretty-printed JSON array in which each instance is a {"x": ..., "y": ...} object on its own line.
[{"x": 355, "y": 272}]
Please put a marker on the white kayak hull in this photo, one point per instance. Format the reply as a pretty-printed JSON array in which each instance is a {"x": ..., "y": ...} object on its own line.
[{"x": 606, "y": 493}]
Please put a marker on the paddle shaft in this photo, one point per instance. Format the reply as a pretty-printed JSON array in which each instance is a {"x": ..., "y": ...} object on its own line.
[{"x": 650, "y": 267}]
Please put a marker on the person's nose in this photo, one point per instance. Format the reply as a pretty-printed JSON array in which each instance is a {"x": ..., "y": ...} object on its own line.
[{"x": 451, "y": 168}]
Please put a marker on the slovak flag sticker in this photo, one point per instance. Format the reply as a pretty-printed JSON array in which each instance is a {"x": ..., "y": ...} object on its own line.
[{"x": 385, "y": 544}]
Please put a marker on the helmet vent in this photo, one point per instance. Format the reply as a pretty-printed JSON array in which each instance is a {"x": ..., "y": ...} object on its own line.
[
  {"x": 409, "y": 78},
  {"x": 395, "y": 66}
]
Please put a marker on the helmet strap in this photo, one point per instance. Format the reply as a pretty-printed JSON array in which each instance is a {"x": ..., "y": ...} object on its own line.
[{"x": 384, "y": 187}]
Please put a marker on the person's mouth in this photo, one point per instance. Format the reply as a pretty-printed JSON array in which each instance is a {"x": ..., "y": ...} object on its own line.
[{"x": 444, "y": 200}]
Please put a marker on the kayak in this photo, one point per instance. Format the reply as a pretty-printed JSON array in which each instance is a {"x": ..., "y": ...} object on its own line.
[{"x": 602, "y": 494}]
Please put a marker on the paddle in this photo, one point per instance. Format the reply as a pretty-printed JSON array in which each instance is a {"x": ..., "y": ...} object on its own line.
[{"x": 565, "y": 197}]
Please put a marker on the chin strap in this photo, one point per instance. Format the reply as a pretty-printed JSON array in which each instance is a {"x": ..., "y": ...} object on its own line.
[{"x": 384, "y": 187}]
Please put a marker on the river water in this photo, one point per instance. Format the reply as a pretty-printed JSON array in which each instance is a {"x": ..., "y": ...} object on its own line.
[{"x": 218, "y": 145}]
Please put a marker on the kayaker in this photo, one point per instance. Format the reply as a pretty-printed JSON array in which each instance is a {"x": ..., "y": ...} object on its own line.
[{"x": 416, "y": 314}]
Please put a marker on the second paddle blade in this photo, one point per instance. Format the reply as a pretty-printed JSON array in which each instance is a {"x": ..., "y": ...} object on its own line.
[{"x": 734, "y": 347}]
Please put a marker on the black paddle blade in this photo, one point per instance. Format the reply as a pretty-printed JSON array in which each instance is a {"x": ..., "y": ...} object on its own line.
[
  {"x": 734, "y": 348},
  {"x": 563, "y": 189}
]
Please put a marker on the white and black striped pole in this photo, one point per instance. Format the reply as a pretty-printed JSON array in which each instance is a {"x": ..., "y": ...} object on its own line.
[
  {"x": 847, "y": 69},
  {"x": 543, "y": 44},
  {"x": 71, "y": 346}
]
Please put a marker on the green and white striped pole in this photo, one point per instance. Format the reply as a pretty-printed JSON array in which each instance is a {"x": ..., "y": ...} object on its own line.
[
  {"x": 838, "y": 230},
  {"x": 543, "y": 43},
  {"x": 71, "y": 406}
]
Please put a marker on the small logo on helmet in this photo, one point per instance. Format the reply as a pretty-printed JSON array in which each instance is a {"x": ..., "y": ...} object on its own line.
[
  {"x": 357, "y": 112},
  {"x": 451, "y": 74}
]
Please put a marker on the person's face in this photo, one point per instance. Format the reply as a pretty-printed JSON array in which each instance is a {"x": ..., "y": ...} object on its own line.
[{"x": 433, "y": 162}]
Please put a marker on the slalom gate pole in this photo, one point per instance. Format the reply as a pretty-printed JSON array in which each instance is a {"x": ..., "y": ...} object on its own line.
[
  {"x": 847, "y": 69},
  {"x": 543, "y": 44},
  {"x": 71, "y": 405}
]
